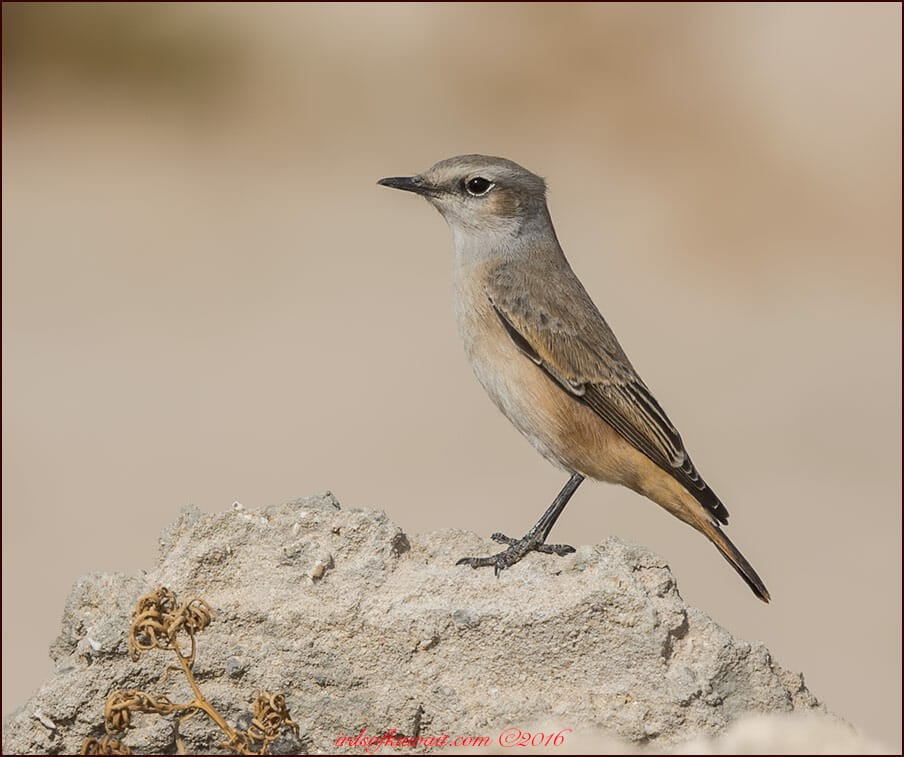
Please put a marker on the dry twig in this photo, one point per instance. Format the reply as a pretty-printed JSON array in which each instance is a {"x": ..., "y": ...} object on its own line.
[{"x": 159, "y": 621}]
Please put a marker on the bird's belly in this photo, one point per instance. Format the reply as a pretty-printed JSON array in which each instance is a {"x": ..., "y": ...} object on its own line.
[
  {"x": 557, "y": 424},
  {"x": 519, "y": 396}
]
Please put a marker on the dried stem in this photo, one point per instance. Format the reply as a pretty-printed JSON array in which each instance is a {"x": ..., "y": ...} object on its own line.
[{"x": 158, "y": 622}]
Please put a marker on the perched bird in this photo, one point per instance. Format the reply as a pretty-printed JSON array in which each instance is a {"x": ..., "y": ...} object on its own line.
[{"x": 547, "y": 358}]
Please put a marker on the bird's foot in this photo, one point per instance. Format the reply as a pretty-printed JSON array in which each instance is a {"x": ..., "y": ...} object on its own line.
[{"x": 518, "y": 548}]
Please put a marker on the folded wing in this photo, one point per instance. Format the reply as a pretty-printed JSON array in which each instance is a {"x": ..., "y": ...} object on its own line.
[{"x": 570, "y": 340}]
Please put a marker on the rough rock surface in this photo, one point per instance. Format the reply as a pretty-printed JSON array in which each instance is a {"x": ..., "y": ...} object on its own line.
[{"x": 361, "y": 625}]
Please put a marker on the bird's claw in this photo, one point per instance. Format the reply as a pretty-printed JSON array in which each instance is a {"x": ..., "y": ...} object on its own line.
[{"x": 517, "y": 549}]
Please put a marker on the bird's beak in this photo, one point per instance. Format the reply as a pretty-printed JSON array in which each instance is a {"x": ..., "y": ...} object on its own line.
[{"x": 410, "y": 184}]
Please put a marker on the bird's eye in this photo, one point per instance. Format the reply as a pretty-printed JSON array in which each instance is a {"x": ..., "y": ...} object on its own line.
[{"x": 478, "y": 186}]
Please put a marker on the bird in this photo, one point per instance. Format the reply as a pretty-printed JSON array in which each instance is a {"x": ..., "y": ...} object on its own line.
[{"x": 543, "y": 352}]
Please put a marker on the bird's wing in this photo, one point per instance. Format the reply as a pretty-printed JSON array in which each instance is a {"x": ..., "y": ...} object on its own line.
[{"x": 570, "y": 340}]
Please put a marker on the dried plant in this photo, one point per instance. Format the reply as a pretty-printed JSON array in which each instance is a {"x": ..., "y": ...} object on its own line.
[
  {"x": 160, "y": 621},
  {"x": 106, "y": 745},
  {"x": 271, "y": 718}
]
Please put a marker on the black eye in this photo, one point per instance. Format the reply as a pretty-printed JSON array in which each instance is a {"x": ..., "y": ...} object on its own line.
[{"x": 478, "y": 186}]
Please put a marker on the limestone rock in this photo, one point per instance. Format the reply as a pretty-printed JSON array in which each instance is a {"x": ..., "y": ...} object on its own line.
[{"x": 363, "y": 627}]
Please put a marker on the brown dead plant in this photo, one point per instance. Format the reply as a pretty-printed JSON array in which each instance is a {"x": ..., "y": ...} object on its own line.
[{"x": 160, "y": 621}]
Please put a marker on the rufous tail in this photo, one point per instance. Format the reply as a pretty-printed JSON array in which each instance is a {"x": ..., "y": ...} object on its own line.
[{"x": 731, "y": 553}]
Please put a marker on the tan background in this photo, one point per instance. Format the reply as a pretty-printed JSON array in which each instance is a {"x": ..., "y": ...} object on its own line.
[{"x": 206, "y": 298}]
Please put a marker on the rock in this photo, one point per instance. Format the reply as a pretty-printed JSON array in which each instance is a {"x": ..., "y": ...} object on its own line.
[{"x": 365, "y": 628}]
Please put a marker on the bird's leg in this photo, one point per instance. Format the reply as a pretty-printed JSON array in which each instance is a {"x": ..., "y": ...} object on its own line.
[{"x": 534, "y": 540}]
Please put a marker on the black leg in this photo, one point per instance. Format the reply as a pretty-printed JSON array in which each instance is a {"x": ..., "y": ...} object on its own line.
[{"x": 534, "y": 540}]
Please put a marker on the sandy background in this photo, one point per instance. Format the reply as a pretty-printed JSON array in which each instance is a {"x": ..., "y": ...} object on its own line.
[{"x": 206, "y": 298}]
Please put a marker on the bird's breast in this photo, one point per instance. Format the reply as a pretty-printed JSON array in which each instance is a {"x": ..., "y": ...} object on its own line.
[{"x": 556, "y": 424}]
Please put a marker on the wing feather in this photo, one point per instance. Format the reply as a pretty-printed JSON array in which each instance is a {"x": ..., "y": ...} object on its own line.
[{"x": 574, "y": 345}]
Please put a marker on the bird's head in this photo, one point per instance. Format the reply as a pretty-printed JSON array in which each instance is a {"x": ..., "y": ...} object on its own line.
[{"x": 478, "y": 194}]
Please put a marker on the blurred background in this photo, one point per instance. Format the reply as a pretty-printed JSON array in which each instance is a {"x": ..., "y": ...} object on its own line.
[{"x": 206, "y": 297}]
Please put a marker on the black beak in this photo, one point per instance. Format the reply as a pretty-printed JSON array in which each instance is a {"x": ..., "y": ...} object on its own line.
[{"x": 409, "y": 184}]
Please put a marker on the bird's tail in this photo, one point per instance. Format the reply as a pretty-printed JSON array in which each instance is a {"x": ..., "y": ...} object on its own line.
[{"x": 731, "y": 553}]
